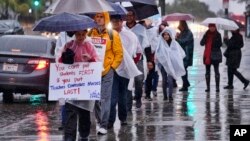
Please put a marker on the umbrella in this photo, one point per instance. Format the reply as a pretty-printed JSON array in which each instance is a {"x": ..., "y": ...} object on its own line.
[
  {"x": 118, "y": 9},
  {"x": 64, "y": 22},
  {"x": 79, "y": 6},
  {"x": 221, "y": 23},
  {"x": 142, "y": 8},
  {"x": 151, "y": 2},
  {"x": 178, "y": 17}
]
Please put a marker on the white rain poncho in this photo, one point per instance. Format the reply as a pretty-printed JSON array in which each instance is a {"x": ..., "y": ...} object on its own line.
[
  {"x": 131, "y": 46},
  {"x": 141, "y": 33},
  {"x": 153, "y": 38},
  {"x": 171, "y": 57}
]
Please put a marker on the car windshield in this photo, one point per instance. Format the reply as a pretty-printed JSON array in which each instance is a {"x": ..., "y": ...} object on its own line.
[{"x": 6, "y": 24}]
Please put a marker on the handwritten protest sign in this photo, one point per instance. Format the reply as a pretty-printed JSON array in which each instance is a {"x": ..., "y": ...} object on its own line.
[{"x": 80, "y": 81}]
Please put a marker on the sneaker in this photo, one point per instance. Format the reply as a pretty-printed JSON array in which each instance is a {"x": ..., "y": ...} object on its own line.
[
  {"x": 97, "y": 127},
  {"x": 246, "y": 84},
  {"x": 155, "y": 93},
  {"x": 123, "y": 123},
  {"x": 229, "y": 87},
  {"x": 102, "y": 131}
]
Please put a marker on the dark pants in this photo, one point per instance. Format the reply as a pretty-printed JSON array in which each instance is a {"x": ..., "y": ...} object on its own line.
[
  {"x": 71, "y": 123},
  {"x": 63, "y": 115},
  {"x": 216, "y": 69},
  {"x": 185, "y": 79},
  {"x": 119, "y": 95},
  {"x": 129, "y": 100},
  {"x": 167, "y": 82},
  {"x": 233, "y": 71},
  {"x": 150, "y": 84},
  {"x": 155, "y": 81},
  {"x": 139, "y": 82},
  {"x": 148, "y": 53}
]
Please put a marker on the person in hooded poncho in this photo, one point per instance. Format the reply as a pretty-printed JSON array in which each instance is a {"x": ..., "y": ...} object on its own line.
[
  {"x": 112, "y": 59},
  {"x": 75, "y": 111},
  {"x": 170, "y": 55}
]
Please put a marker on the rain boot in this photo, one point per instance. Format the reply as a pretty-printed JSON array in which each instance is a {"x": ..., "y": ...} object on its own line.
[
  {"x": 207, "y": 82},
  {"x": 217, "y": 82}
]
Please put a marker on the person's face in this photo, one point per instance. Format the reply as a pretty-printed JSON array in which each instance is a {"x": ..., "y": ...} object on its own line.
[
  {"x": 99, "y": 19},
  {"x": 130, "y": 17},
  {"x": 166, "y": 36},
  {"x": 180, "y": 27},
  {"x": 212, "y": 28},
  {"x": 150, "y": 65},
  {"x": 117, "y": 24},
  {"x": 162, "y": 27},
  {"x": 80, "y": 35}
]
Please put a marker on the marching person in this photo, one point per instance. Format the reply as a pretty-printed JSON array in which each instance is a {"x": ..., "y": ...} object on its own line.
[
  {"x": 233, "y": 59},
  {"x": 81, "y": 109},
  {"x": 186, "y": 40},
  {"x": 140, "y": 32},
  {"x": 124, "y": 72},
  {"x": 113, "y": 58},
  {"x": 170, "y": 55},
  {"x": 212, "y": 54}
]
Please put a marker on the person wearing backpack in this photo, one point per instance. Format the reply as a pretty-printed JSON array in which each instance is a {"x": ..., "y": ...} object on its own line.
[{"x": 113, "y": 58}]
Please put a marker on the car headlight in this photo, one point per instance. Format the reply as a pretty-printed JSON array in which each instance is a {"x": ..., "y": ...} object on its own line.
[{"x": 9, "y": 31}]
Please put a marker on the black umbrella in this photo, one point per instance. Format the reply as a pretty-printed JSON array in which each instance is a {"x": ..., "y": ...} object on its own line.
[{"x": 142, "y": 8}]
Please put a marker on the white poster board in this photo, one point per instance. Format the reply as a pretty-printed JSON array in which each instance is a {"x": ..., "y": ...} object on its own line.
[{"x": 79, "y": 81}]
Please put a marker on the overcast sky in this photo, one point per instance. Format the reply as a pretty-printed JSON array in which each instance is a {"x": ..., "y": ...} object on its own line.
[{"x": 216, "y": 5}]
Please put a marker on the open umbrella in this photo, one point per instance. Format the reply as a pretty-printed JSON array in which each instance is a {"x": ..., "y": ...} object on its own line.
[
  {"x": 142, "y": 8},
  {"x": 79, "y": 6},
  {"x": 151, "y": 2},
  {"x": 64, "y": 22},
  {"x": 118, "y": 9},
  {"x": 178, "y": 17},
  {"x": 221, "y": 23}
]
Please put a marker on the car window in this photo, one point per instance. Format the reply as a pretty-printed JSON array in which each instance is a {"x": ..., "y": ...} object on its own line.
[
  {"x": 6, "y": 24},
  {"x": 23, "y": 45}
]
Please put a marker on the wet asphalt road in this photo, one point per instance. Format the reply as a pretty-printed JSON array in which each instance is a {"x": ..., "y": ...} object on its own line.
[{"x": 195, "y": 115}]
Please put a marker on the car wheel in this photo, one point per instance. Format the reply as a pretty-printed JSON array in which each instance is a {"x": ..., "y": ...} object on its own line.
[{"x": 8, "y": 97}]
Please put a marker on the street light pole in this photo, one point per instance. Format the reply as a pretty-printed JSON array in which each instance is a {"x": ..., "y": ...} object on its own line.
[
  {"x": 226, "y": 5},
  {"x": 162, "y": 4}
]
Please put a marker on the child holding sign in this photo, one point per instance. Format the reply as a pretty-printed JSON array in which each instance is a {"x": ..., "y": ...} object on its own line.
[{"x": 84, "y": 51}]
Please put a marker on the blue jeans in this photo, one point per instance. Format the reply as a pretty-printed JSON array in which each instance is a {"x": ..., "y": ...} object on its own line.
[
  {"x": 155, "y": 81},
  {"x": 119, "y": 95},
  {"x": 167, "y": 82}
]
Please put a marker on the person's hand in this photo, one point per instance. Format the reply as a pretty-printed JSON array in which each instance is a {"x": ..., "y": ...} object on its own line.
[{"x": 86, "y": 57}]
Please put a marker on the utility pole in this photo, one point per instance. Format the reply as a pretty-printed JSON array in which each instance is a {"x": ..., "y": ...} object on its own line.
[
  {"x": 162, "y": 4},
  {"x": 225, "y": 6}
]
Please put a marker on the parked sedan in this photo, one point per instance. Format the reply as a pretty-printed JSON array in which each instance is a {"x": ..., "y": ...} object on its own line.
[
  {"x": 24, "y": 65},
  {"x": 10, "y": 27}
]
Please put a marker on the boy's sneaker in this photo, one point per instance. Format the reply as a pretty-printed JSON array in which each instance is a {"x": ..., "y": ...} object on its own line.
[{"x": 102, "y": 131}]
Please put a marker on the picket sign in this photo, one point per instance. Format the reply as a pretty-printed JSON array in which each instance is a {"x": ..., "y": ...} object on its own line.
[{"x": 79, "y": 81}]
